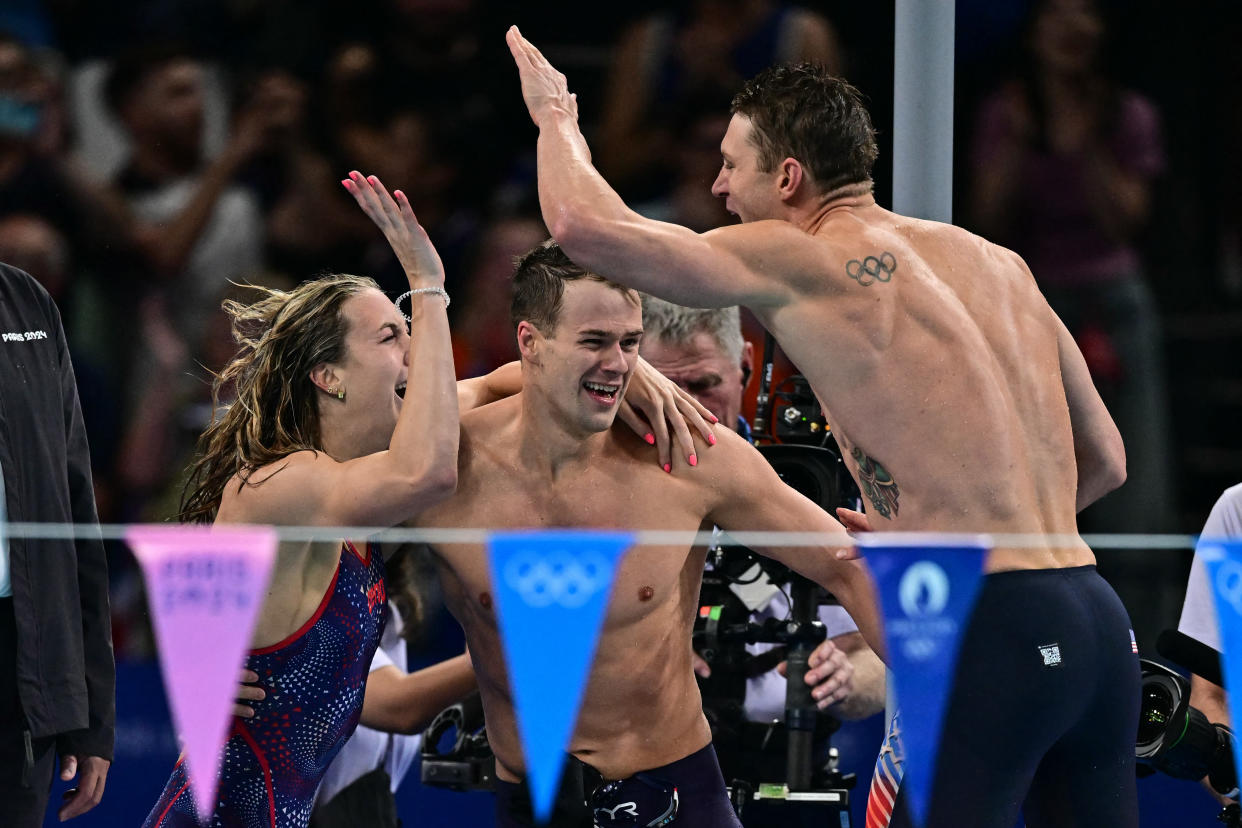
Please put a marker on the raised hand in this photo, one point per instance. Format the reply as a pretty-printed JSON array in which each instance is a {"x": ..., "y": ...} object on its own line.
[
  {"x": 543, "y": 87},
  {"x": 655, "y": 407},
  {"x": 394, "y": 217}
]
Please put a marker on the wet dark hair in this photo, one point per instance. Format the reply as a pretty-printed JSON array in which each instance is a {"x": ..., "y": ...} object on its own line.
[
  {"x": 281, "y": 337},
  {"x": 539, "y": 285},
  {"x": 804, "y": 112}
]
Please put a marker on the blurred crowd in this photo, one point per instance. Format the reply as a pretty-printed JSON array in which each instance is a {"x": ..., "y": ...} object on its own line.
[{"x": 158, "y": 155}]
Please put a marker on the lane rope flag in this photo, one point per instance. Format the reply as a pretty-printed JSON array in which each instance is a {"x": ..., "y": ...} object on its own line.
[
  {"x": 551, "y": 591},
  {"x": 927, "y": 586},
  {"x": 205, "y": 587},
  {"x": 1223, "y": 559}
]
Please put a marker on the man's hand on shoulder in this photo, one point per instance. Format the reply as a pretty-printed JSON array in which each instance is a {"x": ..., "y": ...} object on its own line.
[{"x": 92, "y": 773}]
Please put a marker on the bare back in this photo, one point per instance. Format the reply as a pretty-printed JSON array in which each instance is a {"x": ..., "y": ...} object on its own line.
[
  {"x": 641, "y": 708},
  {"x": 936, "y": 359}
]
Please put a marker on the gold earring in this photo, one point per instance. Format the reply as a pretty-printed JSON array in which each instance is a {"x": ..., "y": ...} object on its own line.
[{"x": 340, "y": 393}]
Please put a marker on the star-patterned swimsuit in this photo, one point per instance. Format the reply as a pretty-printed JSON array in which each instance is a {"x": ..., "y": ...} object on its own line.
[{"x": 314, "y": 680}]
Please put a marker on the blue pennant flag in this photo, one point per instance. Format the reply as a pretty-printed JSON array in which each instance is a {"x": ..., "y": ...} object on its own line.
[
  {"x": 551, "y": 589},
  {"x": 1223, "y": 560},
  {"x": 927, "y": 587}
]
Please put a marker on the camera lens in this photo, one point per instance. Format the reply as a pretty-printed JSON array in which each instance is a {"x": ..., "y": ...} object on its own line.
[{"x": 1157, "y": 709}]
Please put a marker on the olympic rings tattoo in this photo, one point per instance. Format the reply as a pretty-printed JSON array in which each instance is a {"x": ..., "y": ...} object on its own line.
[{"x": 872, "y": 269}]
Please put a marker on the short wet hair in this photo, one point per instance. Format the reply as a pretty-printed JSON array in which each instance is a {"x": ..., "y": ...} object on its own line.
[
  {"x": 539, "y": 285},
  {"x": 803, "y": 111}
]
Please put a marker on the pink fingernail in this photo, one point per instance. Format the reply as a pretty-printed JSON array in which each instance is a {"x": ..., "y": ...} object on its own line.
[
  {"x": 650, "y": 438},
  {"x": 398, "y": 194},
  {"x": 715, "y": 419},
  {"x": 711, "y": 439},
  {"x": 694, "y": 461},
  {"x": 345, "y": 182},
  {"x": 668, "y": 468},
  {"x": 355, "y": 175},
  {"x": 374, "y": 181}
]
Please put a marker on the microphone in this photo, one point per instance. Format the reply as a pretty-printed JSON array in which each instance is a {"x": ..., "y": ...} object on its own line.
[{"x": 1192, "y": 654}]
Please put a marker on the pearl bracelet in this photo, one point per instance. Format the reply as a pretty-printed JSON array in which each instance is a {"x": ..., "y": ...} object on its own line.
[{"x": 438, "y": 291}]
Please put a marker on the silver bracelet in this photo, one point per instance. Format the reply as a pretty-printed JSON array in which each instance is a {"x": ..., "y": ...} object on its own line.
[{"x": 438, "y": 291}]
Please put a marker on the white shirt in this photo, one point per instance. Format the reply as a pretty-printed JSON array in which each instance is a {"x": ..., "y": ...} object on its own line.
[
  {"x": 369, "y": 749},
  {"x": 1199, "y": 608}
]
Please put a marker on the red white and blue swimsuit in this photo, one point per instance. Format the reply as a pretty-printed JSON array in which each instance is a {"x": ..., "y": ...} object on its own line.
[{"x": 314, "y": 680}]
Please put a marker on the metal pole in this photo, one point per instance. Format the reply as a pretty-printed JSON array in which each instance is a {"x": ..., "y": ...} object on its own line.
[{"x": 923, "y": 109}]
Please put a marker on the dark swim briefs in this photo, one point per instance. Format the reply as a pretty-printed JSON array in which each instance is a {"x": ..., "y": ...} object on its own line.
[
  {"x": 688, "y": 793},
  {"x": 1044, "y": 709}
]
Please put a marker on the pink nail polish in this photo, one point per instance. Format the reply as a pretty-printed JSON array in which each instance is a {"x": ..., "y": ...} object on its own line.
[
  {"x": 711, "y": 439},
  {"x": 668, "y": 468},
  {"x": 374, "y": 181},
  {"x": 650, "y": 438},
  {"x": 345, "y": 182},
  {"x": 715, "y": 419},
  {"x": 694, "y": 460}
]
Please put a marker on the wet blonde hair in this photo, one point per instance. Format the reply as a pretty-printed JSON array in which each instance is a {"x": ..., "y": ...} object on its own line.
[{"x": 281, "y": 337}]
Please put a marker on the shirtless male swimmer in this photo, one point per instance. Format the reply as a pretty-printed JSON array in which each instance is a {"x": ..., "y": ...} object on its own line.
[
  {"x": 552, "y": 456},
  {"x": 959, "y": 400}
]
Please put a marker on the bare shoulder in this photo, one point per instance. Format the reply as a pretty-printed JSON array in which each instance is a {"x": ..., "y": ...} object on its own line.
[
  {"x": 801, "y": 259},
  {"x": 728, "y": 464},
  {"x": 268, "y": 494},
  {"x": 486, "y": 428}
]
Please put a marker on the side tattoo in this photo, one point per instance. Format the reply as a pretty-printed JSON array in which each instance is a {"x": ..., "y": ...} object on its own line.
[
  {"x": 872, "y": 269},
  {"x": 877, "y": 484}
]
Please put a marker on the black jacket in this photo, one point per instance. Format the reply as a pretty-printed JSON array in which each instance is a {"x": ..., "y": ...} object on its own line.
[{"x": 66, "y": 676}]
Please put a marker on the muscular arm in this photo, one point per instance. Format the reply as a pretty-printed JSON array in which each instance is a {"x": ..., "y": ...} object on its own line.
[
  {"x": 1098, "y": 450},
  {"x": 738, "y": 265},
  {"x": 748, "y": 496},
  {"x": 476, "y": 392},
  {"x": 398, "y": 702},
  {"x": 419, "y": 467}
]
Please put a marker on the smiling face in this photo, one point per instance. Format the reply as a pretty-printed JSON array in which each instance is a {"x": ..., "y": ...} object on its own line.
[
  {"x": 749, "y": 193},
  {"x": 582, "y": 368},
  {"x": 375, "y": 365}
]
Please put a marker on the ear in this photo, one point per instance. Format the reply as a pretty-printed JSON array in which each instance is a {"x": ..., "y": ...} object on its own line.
[
  {"x": 748, "y": 362},
  {"x": 325, "y": 378},
  {"x": 529, "y": 340},
  {"x": 790, "y": 178}
]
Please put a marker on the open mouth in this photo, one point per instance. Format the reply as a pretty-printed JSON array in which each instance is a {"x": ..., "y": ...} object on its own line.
[
  {"x": 601, "y": 392},
  {"x": 400, "y": 390}
]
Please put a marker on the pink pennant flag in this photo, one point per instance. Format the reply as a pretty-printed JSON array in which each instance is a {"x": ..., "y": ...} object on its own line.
[{"x": 205, "y": 587}]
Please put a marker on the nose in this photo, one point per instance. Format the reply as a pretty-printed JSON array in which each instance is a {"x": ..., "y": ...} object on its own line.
[
  {"x": 614, "y": 361},
  {"x": 720, "y": 187}
]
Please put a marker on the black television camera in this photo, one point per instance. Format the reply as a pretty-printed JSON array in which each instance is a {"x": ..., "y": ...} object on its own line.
[
  {"x": 1175, "y": 738},
  {"x": 455, "y": 751},
  {"x": 799, "y": 445}
]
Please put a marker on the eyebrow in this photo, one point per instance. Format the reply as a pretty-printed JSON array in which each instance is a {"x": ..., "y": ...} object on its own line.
[{"x": 597, "y": 332}]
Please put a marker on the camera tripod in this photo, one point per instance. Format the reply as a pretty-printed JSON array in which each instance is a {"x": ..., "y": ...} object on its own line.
[{"x": 803, "y": 789}]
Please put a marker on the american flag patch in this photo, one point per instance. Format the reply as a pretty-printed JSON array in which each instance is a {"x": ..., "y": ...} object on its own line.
[{"x": 1133, "y": 643}]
